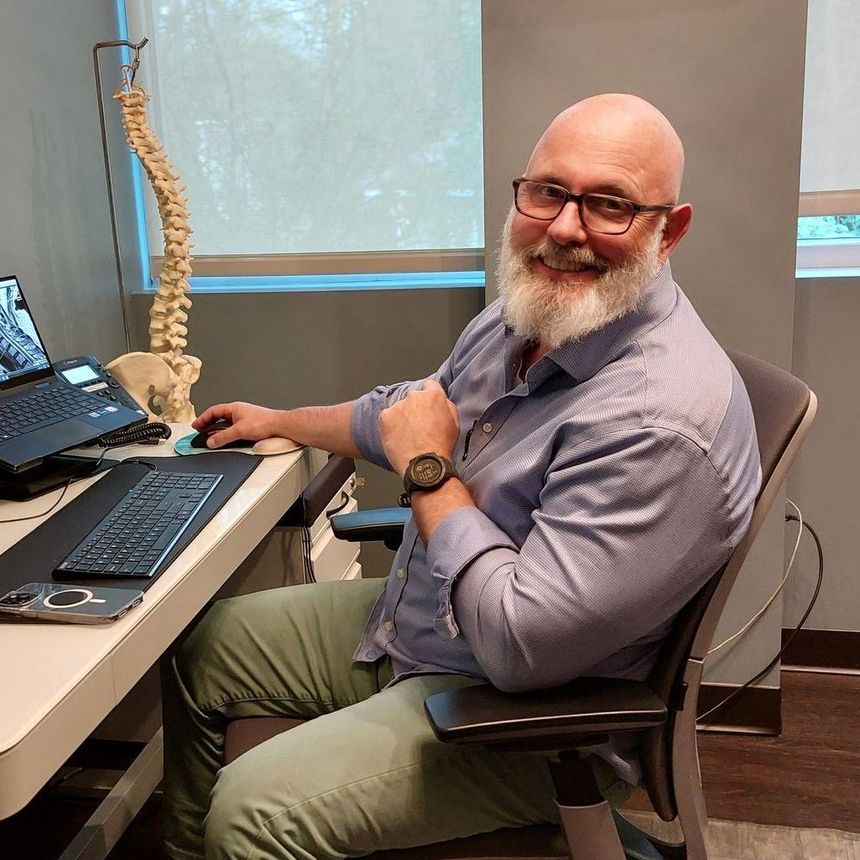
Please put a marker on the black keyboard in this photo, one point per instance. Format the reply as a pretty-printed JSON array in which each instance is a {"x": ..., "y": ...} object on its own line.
[
  {"x": 136, "y": 535},
  {"x": 41, "y": 407}
]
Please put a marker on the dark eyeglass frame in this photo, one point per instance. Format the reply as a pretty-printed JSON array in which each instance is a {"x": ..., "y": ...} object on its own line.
[{"x": 568, "y": 196}]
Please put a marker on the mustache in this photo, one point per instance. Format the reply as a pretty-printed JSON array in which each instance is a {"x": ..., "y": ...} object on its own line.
[{"x": 561, "y": 257}]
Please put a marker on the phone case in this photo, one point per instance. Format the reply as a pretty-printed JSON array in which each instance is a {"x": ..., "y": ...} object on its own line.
[{"x": 70, "y": 604}]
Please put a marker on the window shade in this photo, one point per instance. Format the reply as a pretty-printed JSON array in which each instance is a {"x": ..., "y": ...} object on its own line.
[
  {"x": 315, "y": 128},
  {"x": 830, "y": 165}
]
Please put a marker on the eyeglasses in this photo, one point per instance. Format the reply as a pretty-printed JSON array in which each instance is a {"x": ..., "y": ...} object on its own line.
[{"x": 600, "y": 213}]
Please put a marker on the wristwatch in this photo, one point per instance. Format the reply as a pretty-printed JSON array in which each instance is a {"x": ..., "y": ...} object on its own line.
[{"x": 425, "y": 472}]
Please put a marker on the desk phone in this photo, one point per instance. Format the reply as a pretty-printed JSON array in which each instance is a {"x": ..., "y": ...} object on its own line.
[{"x": 88, "y": 373}]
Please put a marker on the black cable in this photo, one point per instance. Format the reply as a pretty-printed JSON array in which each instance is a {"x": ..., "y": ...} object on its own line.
[
  {"x": 307, "y": 548},
  {"x": 345, "y": 499},
  {"x": 151, "y": 466},
  {"x": 794, "y": 632},
  {"x": 144, "y": 434},
  {"x": 43, "y": 513}
]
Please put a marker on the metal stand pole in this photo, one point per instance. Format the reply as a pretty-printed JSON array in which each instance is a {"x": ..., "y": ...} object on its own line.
[{"x": 113, "y": 225}]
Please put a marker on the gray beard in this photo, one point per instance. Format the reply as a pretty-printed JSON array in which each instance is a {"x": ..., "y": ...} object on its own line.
[{"x": 538, "y": 308}]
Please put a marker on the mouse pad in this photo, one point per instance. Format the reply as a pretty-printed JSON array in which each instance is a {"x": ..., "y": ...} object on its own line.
[
  {"x": 35, "y": 556},
  {"x": 183, "y": 447}
]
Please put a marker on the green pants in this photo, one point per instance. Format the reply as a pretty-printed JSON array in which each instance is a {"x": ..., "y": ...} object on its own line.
[{"x": 366, "y": 773}]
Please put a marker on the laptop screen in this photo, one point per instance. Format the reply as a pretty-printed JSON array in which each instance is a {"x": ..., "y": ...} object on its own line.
[{"x": 23, "y": 357}]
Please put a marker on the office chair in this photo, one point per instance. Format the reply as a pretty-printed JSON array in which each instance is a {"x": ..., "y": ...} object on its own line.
[{"x": 565, "y": 724}]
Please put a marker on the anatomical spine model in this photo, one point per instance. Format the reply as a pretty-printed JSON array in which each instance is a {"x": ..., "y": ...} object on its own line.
[{"x": 148, "y": 382}]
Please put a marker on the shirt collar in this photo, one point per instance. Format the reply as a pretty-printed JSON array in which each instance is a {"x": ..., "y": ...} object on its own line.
[{"x": 583, "y": 358}]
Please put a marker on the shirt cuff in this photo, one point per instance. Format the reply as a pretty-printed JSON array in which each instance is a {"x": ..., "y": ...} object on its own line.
[
  {"x": 458, "y": 541},
  {"x": 364, "y": 425}
]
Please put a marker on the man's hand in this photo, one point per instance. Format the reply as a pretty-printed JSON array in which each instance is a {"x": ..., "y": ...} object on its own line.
[
  {"x": 247, "y": 421},
  {"x": 423, "y": 421}
]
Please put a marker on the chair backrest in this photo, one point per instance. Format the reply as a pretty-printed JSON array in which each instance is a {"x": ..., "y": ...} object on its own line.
[{"x": 784, "y": 409}]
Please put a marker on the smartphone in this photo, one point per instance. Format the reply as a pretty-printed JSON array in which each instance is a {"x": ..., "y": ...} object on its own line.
[{"x": 70, "y": 604}]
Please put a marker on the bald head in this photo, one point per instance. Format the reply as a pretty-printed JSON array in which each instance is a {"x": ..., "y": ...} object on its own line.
[{"x": 626, "y": 130}]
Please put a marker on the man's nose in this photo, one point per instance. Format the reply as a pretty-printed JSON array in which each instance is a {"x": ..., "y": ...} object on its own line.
[{"x": 567, "y": 228}]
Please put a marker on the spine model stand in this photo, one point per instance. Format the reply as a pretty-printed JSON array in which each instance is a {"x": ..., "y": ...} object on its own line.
[{"x": 161, "y": 380}]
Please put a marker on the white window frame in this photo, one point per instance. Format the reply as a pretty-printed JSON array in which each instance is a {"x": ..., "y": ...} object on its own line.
[
  {"x": 334, "y": 263},
  {"x": 828, "y": 257},
  {"x": 814, "y": 203}
]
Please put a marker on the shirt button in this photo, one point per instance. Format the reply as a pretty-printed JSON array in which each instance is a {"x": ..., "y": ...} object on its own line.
[
  {"x": 388, "y": 625},
  {"x": 400, "y": 573},
  {"x": 487, "y": 428},
  {"x": 370, "y": 655}
]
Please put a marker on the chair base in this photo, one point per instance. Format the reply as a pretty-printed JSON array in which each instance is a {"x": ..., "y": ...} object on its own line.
[
  {"x": 591, "y": 832},
  {"x": 639, "y": 845}
]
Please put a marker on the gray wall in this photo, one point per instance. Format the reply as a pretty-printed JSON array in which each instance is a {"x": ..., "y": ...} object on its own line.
[
  {"x": 729, "y": 74},
  {"x": 824, "y": 481},
  {"x": 56, "y": 231},
  {"x": 297, "y": 349}
]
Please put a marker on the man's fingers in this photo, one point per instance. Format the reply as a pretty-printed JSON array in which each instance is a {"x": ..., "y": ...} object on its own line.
[
  {"x": 432, "y": 385},
  {"x": 211, "y": 415},
  {"x": 203, "y": 419},
  {"x": 222, "y": 437}
]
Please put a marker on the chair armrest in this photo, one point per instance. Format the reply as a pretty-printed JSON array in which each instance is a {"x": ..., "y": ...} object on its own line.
[
  {"x": 554, "y": 719},
  {"x": 385, "y": 524}
]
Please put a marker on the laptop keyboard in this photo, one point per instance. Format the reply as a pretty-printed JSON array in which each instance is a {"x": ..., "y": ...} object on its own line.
[
  {"x": 136, "y": 535},
  {"x": 41, "y": 407}
]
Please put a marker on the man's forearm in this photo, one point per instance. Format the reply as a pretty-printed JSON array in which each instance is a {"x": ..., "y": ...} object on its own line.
[{"x": 326, "y": 427}]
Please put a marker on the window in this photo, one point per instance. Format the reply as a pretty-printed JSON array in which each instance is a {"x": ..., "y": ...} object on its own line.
[
  {"x": 829, "y": 223},
  {"x": 317, "y": 137}
]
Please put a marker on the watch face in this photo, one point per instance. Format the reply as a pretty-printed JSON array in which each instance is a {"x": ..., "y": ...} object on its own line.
[{"x": 427, "y": 471}]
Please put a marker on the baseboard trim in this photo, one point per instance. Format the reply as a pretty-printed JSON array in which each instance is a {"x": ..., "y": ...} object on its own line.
[
  {"x": 757, "y": 711},
  {"x": 822, "y": 650}
]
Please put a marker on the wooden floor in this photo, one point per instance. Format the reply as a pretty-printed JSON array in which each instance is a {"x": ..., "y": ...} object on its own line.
[
  {"x": 809, "y": 777},
  {"x": 739, "y": 840}
]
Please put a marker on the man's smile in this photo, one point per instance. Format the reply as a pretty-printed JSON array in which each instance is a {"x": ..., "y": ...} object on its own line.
[{"x": 564, "y": 270}]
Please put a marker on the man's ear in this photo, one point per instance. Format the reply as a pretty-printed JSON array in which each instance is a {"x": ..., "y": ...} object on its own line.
[{"x": 677, "y": 224}]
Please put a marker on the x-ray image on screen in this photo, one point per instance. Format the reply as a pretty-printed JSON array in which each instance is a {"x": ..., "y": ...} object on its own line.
[{"x": 21, "y": 350}]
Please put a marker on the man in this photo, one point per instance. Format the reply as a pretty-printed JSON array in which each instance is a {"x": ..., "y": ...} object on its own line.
[{"x": 605, "y": 466}]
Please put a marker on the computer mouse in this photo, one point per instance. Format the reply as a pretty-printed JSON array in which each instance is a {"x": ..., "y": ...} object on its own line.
[{"x": 199, "y": 441}]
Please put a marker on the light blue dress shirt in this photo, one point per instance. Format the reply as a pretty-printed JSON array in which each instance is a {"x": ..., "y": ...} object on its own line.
[{"x": 610, "y": 484}]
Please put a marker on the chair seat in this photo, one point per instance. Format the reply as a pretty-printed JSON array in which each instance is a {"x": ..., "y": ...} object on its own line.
[
  {"x": 538, "y": 842},
  {"x": 247, "y": 733}
]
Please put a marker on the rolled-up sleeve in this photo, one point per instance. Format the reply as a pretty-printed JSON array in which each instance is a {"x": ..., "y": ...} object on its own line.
[
  {"x": 364, "y": 423},
  {"x": 628, "y": 528},
  {"x": 365, "y": 419}
]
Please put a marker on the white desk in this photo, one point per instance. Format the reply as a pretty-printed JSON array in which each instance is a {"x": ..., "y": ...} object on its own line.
[{"x": 60, "y": 681}]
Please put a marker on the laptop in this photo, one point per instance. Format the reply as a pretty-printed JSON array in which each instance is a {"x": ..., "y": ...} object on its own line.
[{"x": 41, "y": 414}]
